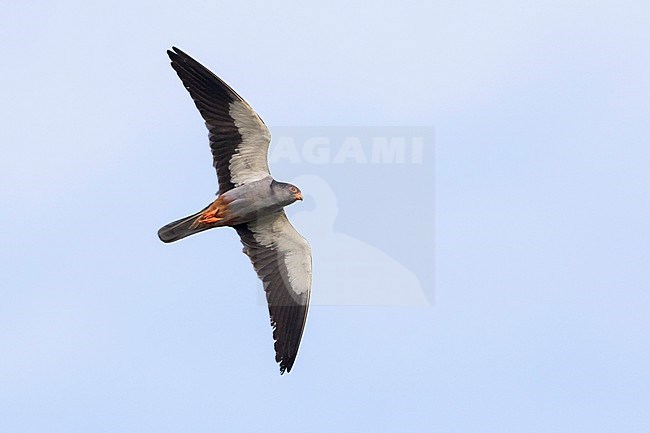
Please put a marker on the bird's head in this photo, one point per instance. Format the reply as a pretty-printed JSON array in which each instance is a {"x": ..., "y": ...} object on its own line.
[
  {"x": 287, "y": 193},
  {"x": 295, "y": 191}
]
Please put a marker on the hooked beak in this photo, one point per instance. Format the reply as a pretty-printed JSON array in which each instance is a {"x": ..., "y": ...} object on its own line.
[{"x": 298, "y": 196}]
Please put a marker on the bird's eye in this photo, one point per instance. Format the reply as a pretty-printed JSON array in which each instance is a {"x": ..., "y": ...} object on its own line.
[{"x": 293, "y": 189}]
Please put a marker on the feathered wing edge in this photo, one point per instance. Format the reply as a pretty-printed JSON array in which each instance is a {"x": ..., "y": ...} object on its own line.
[{"x": 282, "y": 260}]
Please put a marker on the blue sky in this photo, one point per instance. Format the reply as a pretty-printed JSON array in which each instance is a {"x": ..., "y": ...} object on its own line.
[{"x": 521, "y": 238}]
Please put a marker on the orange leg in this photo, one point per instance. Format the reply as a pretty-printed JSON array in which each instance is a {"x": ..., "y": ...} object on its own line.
[
  {"x": 209, "y": 217},
  {"x": 215, "y": 213}
]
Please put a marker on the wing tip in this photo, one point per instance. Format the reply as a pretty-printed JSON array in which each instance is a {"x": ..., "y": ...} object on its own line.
[
  {"x": 173, "y": 54},
  {"x": 176, "y": 55},
  {"x": 286, "y": 364},
  {"x": 285, "y": 356}
]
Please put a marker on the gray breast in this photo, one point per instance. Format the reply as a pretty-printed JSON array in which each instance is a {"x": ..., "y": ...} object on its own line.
[{"x": 253, "y": 200}]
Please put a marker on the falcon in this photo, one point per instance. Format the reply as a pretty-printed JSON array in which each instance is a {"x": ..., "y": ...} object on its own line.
[{"x": 250, "y": 201}]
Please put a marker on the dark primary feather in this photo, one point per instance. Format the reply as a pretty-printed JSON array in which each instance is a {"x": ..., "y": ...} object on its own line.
[
  {"x": 212, "y": 97},
  {"x": 288, "y": 310}
]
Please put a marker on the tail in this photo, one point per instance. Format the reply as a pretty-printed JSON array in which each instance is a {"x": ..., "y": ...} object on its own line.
[{"x": 183, "y": 228}]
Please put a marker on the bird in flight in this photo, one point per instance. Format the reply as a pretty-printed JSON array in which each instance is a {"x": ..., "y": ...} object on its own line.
[{"x": 251, "y": 202}]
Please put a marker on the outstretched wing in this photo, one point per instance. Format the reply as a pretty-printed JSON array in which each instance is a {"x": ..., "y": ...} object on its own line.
[
  {"x": 282, "y": 260},
  {"x": 239, "y": 139}
]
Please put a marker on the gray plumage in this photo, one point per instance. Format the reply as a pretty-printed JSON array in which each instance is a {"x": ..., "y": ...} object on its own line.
[{"x": 251, "y": 202}]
